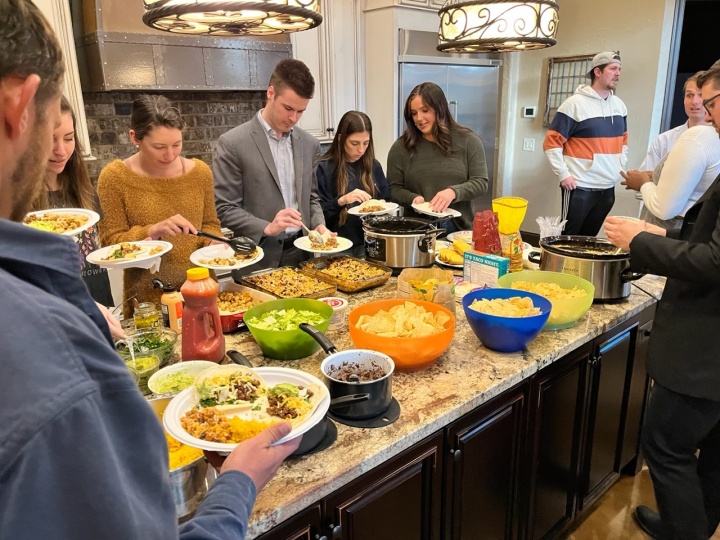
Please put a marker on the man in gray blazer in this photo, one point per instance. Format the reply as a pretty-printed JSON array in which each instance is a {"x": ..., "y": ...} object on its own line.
[
  {"x": 683, "y": 412},
  {"x": 264, "y": 169}
]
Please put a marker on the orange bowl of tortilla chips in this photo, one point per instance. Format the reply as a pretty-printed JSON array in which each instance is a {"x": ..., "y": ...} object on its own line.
[{"x": 411, "y": 332}]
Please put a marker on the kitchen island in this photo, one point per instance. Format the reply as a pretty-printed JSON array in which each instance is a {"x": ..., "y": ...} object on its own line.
[{"x": 435, "y": 406}]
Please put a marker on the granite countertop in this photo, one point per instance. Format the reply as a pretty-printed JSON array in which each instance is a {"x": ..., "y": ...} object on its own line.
[{"x": 463, "y": 378}]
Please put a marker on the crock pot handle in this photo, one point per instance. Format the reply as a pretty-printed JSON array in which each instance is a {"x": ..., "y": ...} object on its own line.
[
  {"x": 628, "y": 275},
  {"x": 318, "y": 336},
  {"x": 534, "y": 257},
  {"x": 239, "y": 358}
]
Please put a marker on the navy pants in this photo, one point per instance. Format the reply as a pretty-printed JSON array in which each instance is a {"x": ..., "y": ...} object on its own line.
[
  {"x": 686, "y": 482},
  {"x": 586, "y": 209}
]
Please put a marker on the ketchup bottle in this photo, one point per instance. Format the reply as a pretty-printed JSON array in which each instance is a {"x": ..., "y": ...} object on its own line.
[{"x": 202, "y": 337}]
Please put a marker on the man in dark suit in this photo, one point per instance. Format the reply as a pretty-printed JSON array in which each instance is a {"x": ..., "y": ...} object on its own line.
[
  {"x": 683, "y": 413},
  {"x": 264, "y": 169}
]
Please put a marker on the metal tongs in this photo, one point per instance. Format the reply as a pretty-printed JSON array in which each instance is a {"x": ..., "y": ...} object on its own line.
[{"x": 240, "y": 244}]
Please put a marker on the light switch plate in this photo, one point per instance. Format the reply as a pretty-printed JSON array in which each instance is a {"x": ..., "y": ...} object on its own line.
[{"x": 529, "y": 145}]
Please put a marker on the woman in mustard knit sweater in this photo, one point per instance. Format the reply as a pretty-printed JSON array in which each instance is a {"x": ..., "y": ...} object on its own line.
[{"x": 158, "y": 194}]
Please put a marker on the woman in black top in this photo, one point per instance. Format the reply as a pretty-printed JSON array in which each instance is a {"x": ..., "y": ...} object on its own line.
[{"x": 348, "y": 174}]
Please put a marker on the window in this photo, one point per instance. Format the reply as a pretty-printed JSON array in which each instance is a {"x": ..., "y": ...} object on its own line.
[{"x": 565, "y": 74}]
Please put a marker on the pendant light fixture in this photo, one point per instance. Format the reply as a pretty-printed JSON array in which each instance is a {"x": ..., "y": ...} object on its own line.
[
  {"x": 497, "y": 25},
  {"x": 232, "y": 18}
]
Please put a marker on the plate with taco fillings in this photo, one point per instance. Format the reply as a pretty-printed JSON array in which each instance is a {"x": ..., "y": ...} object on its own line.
[
  {"x": 332, "y": 244},
  {"x": 223, "y": 257},
  {"x": 129, "y": 254},
  {"x": 372, "y": 207},
  {"x": 229, "y": 404},
  {"x": 67, "y": 221}
]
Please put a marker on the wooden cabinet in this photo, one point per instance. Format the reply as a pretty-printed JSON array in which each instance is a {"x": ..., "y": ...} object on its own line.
[
  {"x": 585, "y": 423},
  {"x": 482, "y": 471},
  {"x": 401, "y": 500}
]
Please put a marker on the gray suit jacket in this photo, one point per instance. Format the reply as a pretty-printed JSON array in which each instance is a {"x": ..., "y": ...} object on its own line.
[{"x": 247, "y": 188}]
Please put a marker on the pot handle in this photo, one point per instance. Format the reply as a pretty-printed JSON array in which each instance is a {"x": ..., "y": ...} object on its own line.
[
  {"x": 424, "y": 242},
  {"x": 627, "y": 275},
  {"x": 318, "y": 336},
  {"x": 239, "y": 358},
  {"x": 534, "y": 257},
  {"x": 344, "y": 401}
]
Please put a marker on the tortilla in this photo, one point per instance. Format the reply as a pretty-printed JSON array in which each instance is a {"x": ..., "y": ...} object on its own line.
[
  {"x": 290, "y": 403},
  {"x": 124, "y": 251},
  {"x": 229, "y": 388}
]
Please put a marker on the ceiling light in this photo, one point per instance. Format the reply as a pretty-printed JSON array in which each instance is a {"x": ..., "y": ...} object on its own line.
[
  {"x": 497, "y": 25},
  {"x": 230, "y": 18}
]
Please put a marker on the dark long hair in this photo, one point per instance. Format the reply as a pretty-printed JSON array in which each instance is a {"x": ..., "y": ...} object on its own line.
[
  {"x": 434, "y": 98},
  {"x": 76, "y": 189},
  {"x": 351, "y": 122}
]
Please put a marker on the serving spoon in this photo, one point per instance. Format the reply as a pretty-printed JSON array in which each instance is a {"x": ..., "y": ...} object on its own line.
[
  {"x": 314, "y": 236},
  {"x": 241, "y": 244}
]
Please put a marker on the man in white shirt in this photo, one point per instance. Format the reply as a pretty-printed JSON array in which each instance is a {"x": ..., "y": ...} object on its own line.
[{"x": 696, "y": 117}]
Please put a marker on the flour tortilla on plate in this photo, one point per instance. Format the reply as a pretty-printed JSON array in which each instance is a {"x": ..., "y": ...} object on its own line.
[{"x": 213, "y": 384}]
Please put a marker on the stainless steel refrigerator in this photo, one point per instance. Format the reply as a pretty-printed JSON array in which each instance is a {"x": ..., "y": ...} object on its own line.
[{"x": 470, "y": 83}]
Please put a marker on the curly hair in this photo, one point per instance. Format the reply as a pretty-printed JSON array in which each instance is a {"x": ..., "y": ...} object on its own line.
[
  {"x": 434, "y": 98},
  {"x": 295, "y": 75},
  {"x": 28, "y": 46},
  {"x": 153, "y": 111},
  {"x": 351, "y": 122}
]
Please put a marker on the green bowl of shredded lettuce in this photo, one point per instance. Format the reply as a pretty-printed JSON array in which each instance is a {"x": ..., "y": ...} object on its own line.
[
  {"x": 172, "y": 379},
  {"x": 274, "y": 325}
]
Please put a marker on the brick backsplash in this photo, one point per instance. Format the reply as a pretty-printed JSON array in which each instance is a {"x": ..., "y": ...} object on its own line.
[{"x": 207, "y": 115}]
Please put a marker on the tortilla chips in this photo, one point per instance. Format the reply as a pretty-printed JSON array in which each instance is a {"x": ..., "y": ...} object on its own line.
[
  {"x": 517, "y": 306},
  {"x": 406, "y": 320}
]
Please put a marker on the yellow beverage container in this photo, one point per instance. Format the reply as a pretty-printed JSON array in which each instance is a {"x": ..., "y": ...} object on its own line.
[{"x": 511, "y": 212}]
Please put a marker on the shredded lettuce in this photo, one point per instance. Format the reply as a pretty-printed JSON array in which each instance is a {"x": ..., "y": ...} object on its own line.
[{"x": 285, "y": 319}]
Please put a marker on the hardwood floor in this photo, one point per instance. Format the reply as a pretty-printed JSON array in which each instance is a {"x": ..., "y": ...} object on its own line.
[{"x": 611, "y": 516}]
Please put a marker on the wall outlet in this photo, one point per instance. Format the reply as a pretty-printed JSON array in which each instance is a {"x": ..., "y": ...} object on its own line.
[{"x": 529, "y": 145}]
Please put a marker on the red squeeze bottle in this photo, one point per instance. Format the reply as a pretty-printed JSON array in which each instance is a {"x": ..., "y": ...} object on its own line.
[{"x": 202, "y": 337}]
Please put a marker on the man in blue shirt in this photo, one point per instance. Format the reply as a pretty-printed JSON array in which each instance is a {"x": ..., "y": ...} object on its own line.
[{"x": 82, "y": 455}]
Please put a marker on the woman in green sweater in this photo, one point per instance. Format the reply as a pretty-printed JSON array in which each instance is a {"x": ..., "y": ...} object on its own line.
[
  {"x": 436, "y": 160},
  {"x": 159, "y": 194}
]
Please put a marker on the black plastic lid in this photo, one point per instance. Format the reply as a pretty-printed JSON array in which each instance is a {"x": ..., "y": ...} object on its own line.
[{"x": 157, "y": 284}]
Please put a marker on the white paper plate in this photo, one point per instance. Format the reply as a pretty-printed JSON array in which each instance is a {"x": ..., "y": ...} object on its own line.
[
  {"x": 222, "y": 251},
  {"x": 389, "y": 207},
  {"x": 187, "y": 399},
  {"x": 93, "y": 218},
  {"x": 449, "y": 212},
  {"x": 443, "y": 263},
  {"x": 305, "y": 244},
  {"x": 96, "y": 257},
  {"x": 465, "y": 236}
]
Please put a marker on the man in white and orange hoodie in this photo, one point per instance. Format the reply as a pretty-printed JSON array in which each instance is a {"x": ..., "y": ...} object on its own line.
[{"x": 587, "y": 147}]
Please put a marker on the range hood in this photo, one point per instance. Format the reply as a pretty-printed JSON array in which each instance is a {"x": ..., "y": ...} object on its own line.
[{"x": 116, "y": 51}]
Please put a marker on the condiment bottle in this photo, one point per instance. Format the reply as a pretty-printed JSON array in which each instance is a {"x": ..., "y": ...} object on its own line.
[
  {"x": 146, "y": 316},
  {"x": 171, "y": 305},
  {"x": 202, "y": 337}
]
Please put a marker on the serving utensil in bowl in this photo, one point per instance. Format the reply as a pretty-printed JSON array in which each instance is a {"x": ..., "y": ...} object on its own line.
[{"x": 240, "y": 244}]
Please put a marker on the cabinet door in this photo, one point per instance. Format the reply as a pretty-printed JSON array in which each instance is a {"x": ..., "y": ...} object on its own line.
[
  {"x": 400, "y": 500},
  {"x": 483, "y": 469},
  {"x": 557, "y": 400},
  {"x": 304, "y": 526},
  {"x": 608, "y": 379}
]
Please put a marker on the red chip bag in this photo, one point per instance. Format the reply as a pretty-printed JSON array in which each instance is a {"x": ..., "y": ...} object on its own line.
[{"x": 486, "y": 237}]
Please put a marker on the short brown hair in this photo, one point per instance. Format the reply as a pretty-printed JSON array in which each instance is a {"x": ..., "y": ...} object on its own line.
[
  {"x": 712, "y": 75},
  {"x": 28, "y": 46},
  {"x": 692, "y": 78},
  {"x": 153, "y": 111},
  {"x": 295, "y": 75}
]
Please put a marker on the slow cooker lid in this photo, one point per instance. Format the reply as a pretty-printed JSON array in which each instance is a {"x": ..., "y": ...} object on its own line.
[
  {"x": 397, "y": 225},
  {"x": 583, "y": 247}
]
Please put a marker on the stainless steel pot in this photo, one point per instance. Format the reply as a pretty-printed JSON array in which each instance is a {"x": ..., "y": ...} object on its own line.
[
  {"x": 190, "y": 482},
  {"x": 400, "y": 242},
  {"x": 594, "y": 259}
]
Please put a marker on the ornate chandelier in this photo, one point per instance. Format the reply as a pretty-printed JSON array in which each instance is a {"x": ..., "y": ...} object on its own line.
[
  {"x": 232, "y": 18},
  {"x": 497, "y": 25}
]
